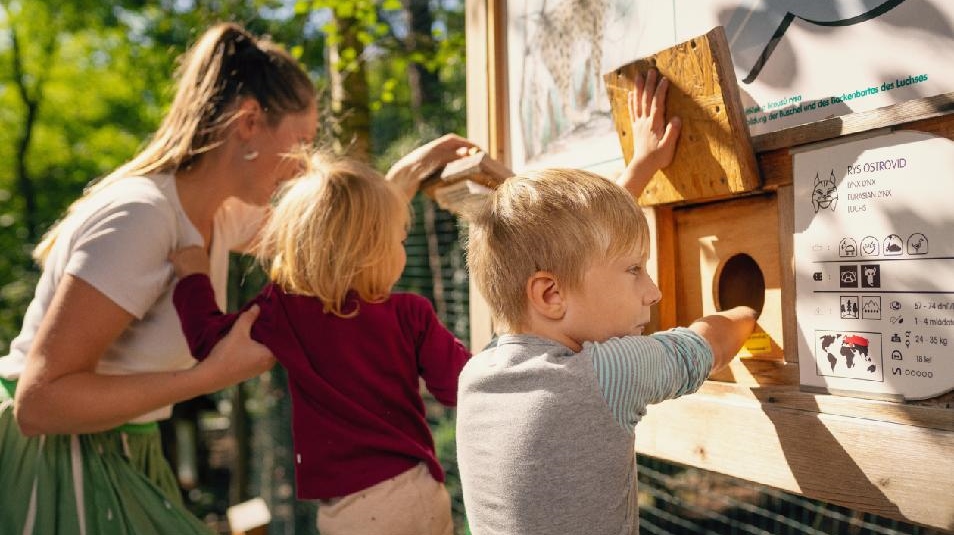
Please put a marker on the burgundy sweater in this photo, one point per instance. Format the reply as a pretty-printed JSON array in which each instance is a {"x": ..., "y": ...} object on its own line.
[{"x": 357, "y": 412}]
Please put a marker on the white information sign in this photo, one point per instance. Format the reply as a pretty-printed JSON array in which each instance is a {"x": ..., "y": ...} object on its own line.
[{"x": 874, "y": 263}]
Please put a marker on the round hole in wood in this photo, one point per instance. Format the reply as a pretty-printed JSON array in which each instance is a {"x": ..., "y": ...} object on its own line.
[{"x": 740, "y": 282}]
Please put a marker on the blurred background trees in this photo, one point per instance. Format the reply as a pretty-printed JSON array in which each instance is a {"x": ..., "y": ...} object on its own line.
[{"x": 83, "y": 83}]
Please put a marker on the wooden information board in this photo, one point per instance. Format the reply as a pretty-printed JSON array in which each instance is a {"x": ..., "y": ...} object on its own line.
[{"x": 754, "y": 421}]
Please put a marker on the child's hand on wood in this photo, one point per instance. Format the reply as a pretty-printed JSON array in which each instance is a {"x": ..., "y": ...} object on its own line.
[
  {"x": 190, "y": 260},
  {"x": 654, "y": 140}
]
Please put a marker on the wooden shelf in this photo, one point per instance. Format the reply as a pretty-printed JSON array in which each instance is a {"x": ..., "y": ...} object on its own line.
[{"x": 886, "y": 458}]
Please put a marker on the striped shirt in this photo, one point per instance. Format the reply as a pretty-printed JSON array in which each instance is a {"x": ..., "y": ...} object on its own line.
[
  {"x": 545, "y": 435},
  {"x": 636, "y": 371}
]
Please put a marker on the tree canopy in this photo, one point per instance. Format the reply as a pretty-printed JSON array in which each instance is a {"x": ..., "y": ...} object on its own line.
[{"x": 83, "y": 83}]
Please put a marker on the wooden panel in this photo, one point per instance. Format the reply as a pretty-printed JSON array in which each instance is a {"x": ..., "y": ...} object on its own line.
[
  {"x": 482, "y": 128},
  {"x": 758, "y": 372},
  {"x": 463, "y": 183},
  {"x": 477, "y": 79},
  {"x": 497, "y": 86},
  {"x": 776, "y": 168},
  {"x": 940, "y": 126},
  {"x": 885, "y": 458},
  {"x": 940, "y": 417},
  {"x": 478, "y": 167},
  {"x": 889, "y": 116},
  {"x": 786, "y": 261},
  {"x": 707, "y": 238},
  {"x": 714, "y": 157},
  {"x": 775, "y": 164},
  {"x": 662, "y": 266}
]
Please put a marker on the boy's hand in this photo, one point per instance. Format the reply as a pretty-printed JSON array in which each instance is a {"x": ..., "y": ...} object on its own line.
[
  {"x": 190, "y": 260},
  {"x": 726, "y": 331},
  {"x": 654, "y": 140}
]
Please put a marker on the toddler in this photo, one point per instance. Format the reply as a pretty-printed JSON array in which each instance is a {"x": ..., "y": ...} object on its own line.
[{"x": 333, "y": 248}]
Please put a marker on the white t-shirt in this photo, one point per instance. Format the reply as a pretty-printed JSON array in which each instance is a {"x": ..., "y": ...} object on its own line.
[{"x": 119, "y": 241}]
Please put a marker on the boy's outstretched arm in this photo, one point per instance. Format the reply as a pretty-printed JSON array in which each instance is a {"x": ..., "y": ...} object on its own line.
[
  {"x": 654, "y": 140},
  {"x": 725, "y": 331}
]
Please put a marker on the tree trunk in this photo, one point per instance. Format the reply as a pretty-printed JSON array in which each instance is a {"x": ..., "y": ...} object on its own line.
[
  {"x": 23, "y": 181},
  {"x": 350, "y": 101},
  {"x": 425, "y": 89},
  {"x": 425, "y": 85}
]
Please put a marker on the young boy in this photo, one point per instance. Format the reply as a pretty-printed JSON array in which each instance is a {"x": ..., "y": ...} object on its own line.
[{"x": 545, "y": 422}]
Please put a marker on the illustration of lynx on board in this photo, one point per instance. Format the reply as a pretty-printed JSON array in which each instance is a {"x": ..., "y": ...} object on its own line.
[
  {"x": 800, "y": 52},
  {"x": 562, "y": 85}
]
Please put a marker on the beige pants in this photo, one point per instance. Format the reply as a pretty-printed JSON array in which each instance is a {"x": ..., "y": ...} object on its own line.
[{"x": 411, "y": 503}]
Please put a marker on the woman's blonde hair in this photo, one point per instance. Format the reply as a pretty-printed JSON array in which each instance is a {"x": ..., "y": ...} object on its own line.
[
  {"x": 556, "y": 220},
  {"x": 339, "y": 227},
  {"x": 227, "y": 64}
]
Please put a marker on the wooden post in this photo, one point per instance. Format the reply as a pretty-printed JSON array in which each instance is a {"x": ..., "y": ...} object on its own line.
[{"x": 486, "y": 115}]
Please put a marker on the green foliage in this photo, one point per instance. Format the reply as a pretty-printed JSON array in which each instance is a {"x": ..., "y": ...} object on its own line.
[
  {"x": 384, "y": 33},
  {"x": 100, "y": 74},
  {"x": 83, "y": 75}
]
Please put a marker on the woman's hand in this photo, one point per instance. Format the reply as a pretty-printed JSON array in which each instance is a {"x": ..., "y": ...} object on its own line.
[
  {"x": 236, "y": 357},
  {"x": 654, "y": 140},
  {"x": 60, "y": 390},
  {"x": 425, "y": 160},
  {"x": 190, "y": 260}
]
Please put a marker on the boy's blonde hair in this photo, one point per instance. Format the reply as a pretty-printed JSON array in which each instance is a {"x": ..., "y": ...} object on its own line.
[
  {"x": 556, "y": 220},
  {"x": 339, "y": 227}
]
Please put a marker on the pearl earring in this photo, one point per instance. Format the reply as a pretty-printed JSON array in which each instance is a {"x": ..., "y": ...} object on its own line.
[{"x": 250, "y": 155}]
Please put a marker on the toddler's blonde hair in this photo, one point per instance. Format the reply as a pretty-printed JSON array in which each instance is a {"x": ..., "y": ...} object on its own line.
[
  {"x": 339, "y": 227},
  {"x": 556, "y": 220}
]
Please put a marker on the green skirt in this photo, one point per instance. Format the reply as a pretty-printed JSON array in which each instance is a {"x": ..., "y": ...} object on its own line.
[{"x": 110, "y": 483}]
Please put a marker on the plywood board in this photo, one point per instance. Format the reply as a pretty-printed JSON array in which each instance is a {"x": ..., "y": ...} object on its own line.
[
  {"x": 465, "y": 182},
  {"x": 663, "y": 265},
  {"x": 921, "y": 109},
  {"x": 479, "y": 168},
  {"x": 714, "y": 157}
]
